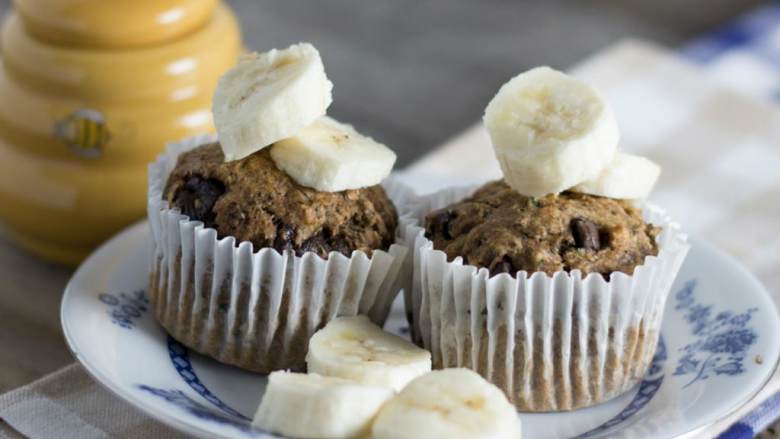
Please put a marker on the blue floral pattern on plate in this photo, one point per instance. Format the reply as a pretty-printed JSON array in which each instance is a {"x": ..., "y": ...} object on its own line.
[
  {"x": 722, "y": 340},
  {"x": 180, "y": 358},
  {"x": 125, "y": 308},
  {"x": 200, "y": 411}
]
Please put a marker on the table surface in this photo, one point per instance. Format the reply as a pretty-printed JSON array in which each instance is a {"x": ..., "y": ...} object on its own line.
[{"x": 409, "y": 73}]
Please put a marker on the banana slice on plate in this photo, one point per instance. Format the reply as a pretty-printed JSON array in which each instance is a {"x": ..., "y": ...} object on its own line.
[
  {"x": 550, "y": 131},
  {"x": 313, "y": 406},
  {"x": 450, "y": 403},
  {"x": 628, "y": 176},
  {"x": 268, "y": 97},
  {"x": 331, "y": 156},
  {"x": 354, "y": 348}
]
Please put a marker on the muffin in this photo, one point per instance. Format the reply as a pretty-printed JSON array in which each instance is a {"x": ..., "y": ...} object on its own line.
[
  {"x": 557, "y": 300},
  {"x": 550, "y": 282},
  {"x": 262, "y": 237},
  {"x": 248, "y": 264}
]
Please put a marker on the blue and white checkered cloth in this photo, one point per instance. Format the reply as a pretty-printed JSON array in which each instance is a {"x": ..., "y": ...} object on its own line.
[
  {"x": 745, "y": 55},
  {"x": 756, "y": 421}
]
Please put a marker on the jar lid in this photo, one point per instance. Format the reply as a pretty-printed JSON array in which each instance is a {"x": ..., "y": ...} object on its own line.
[
  {"x": 114, "y": 23},
  {"x": 176, "y": 69}
]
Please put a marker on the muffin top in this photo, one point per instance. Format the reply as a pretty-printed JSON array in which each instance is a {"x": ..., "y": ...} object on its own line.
[
  {"x": 252, "y": 200},
  {"x": 504, "y": 231}
]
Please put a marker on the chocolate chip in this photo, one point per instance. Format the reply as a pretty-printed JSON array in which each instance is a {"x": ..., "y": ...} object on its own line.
[
  {"x": 503, "y": 266},
  {"x": 197, "y": 197},
  {"x": 325, "y": 242},
  {"x": 586, "y": 234},
  {"x": 285, "y": 236},
  {"x": 316, "y": 244},
  {"x": 438, "y": 223},
  {"x": 604, "y": 238},
  {"x": 319, "y": 243}
]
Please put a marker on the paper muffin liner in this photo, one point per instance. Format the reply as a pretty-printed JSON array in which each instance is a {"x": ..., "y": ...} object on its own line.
[
  {"x": 550, "y": 342},
  {"x": 257, "y": 308}
]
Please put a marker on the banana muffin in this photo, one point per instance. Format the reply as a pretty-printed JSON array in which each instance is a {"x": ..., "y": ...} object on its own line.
[
  {"x": 253, "y": 200},
  {"x": 557, "y": 300},
  {"x": 313, "y": 255},
  {"x": 552, "y": 282},
  {"x": 505, "y": 231},
  {"x": 284, "y": 223}
]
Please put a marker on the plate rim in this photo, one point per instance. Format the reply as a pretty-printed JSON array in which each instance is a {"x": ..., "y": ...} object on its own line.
[
  {"x": 174, "y": 422},
  {"x": 95, "y": 373}
]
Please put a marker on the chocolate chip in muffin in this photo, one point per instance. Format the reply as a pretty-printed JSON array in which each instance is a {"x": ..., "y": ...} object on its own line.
[
  {"x": 503, "y": 265},
  {"x": 586, "y": 234},
  {"x": 439, "y": 223},
  {"x": 285, "y": 236},
  {"x": 325, "y": 242},
  {"x": 197, "y": 196},
  {"x": 318, "y": 243}
]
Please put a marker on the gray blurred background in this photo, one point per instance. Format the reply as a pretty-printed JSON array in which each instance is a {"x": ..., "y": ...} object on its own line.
[{"x": 413, "y": 73}]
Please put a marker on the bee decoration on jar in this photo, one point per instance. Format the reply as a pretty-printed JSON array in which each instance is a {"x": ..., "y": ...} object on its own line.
[{"x": 84, "y": 132}]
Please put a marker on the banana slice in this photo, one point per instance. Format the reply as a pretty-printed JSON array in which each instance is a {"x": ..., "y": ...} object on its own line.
[
  {"x": 356, "y": 349},
  {"x": 550, "y": 131},
  {"x": 269, "y": 96},
  {"x": 331, "y": 156},
  {"x": 627, "y": 177},
  {"x": 313, "y": 406},
  {"x": 450, "y": 403}
]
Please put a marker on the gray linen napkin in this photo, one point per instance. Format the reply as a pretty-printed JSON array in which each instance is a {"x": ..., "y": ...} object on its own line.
[{"x": 68, "y": 404}]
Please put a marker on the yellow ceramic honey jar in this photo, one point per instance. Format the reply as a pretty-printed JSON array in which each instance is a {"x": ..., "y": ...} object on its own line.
[{"x": 90, "y": 91}]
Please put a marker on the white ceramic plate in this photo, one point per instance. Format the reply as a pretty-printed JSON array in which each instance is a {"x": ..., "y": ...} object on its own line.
[{"x": 720, "y": 343}]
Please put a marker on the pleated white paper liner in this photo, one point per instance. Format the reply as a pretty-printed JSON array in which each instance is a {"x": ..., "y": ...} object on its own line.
[
  {"x": 256, "y": 309},
  {"x": 551, "y": 343}
]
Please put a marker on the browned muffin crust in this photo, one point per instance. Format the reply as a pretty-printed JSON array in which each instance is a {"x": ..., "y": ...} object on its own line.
[
  {"x": 252, "y": 200},
  {"x": 505, "y": 231}
]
